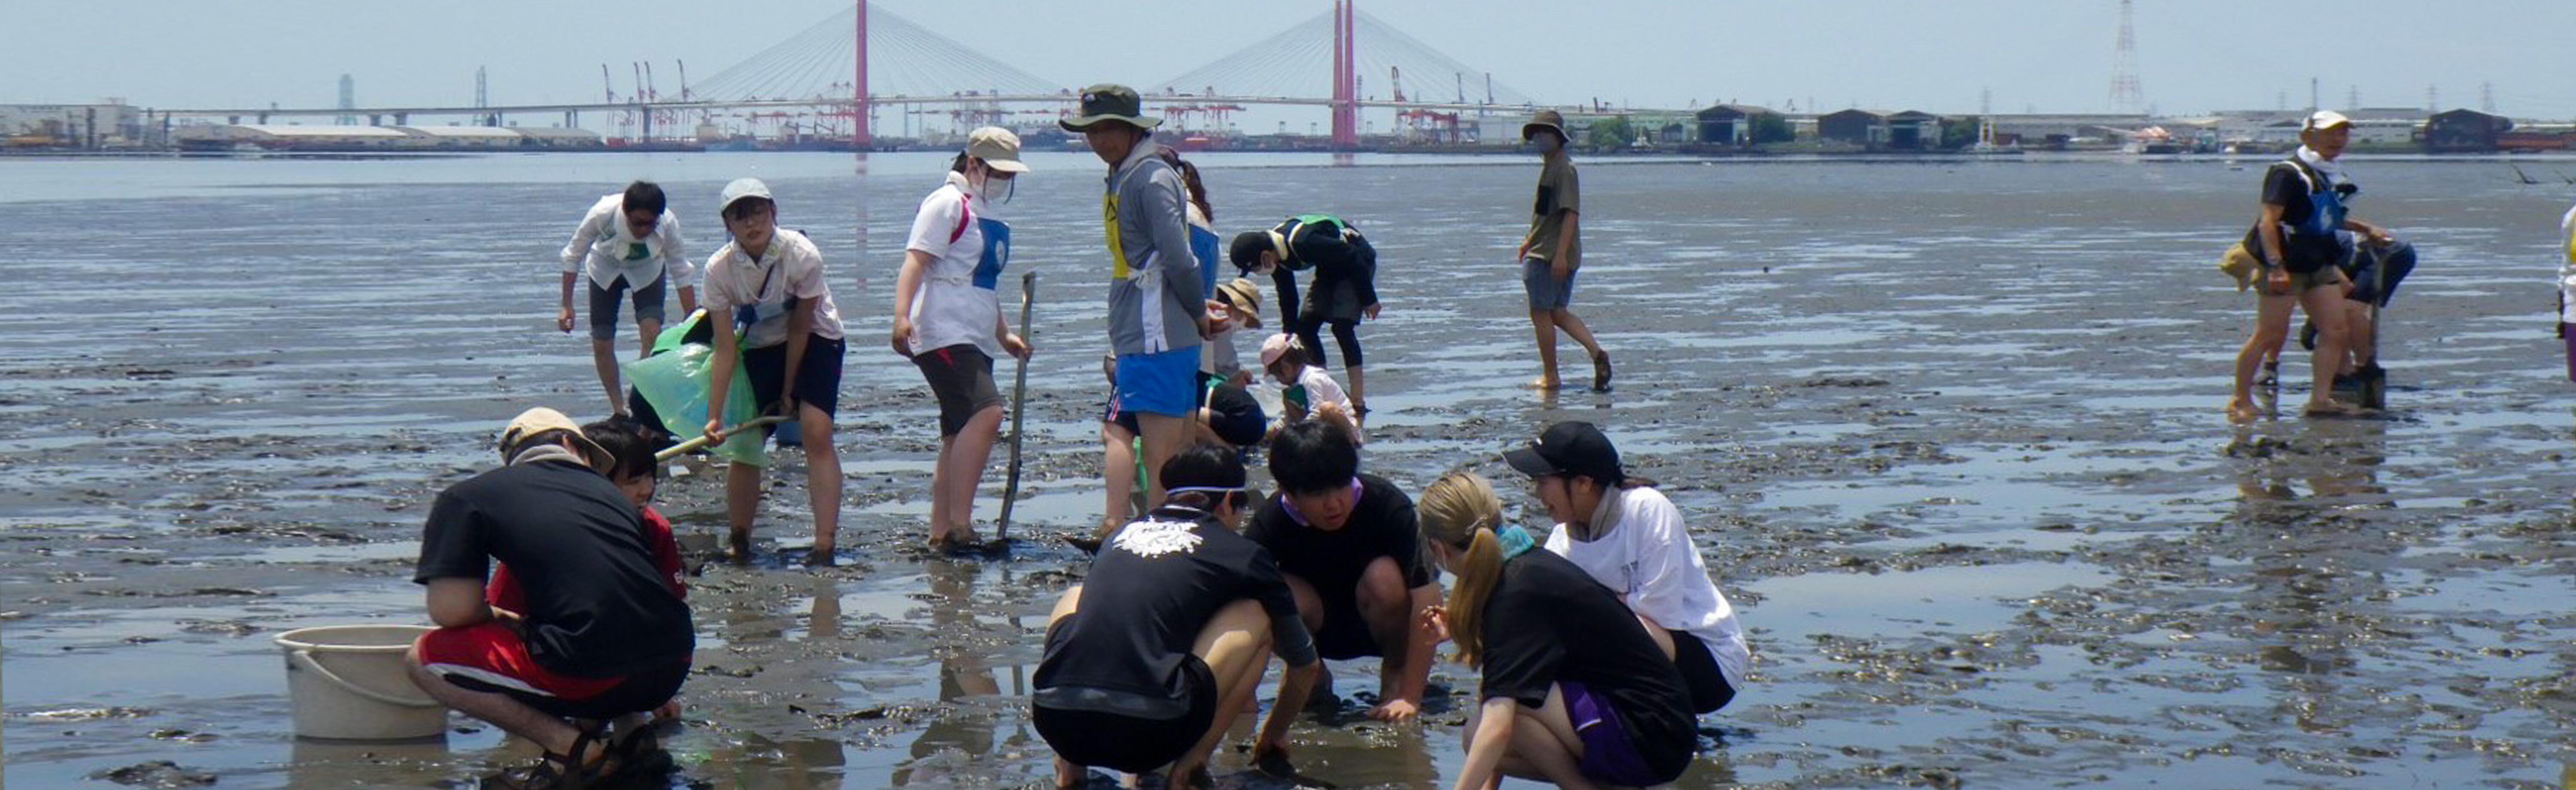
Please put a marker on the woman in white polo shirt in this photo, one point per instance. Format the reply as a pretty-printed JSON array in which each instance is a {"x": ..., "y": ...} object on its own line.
[{"x": 948, "y": 321}]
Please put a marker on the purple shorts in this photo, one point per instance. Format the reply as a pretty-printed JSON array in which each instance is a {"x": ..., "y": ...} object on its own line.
[{"x": 1608, "y": 755}]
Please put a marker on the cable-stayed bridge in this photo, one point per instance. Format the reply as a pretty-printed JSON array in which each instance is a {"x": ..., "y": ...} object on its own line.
[{"x": 835, "y": 79}]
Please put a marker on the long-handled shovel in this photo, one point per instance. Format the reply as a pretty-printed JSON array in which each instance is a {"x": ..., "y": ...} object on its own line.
[
  {"x": 1019, "y": 412},
  {"x": 691, "y": 445}
]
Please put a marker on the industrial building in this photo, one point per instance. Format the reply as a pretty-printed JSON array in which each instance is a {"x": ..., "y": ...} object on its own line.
[
  {"x": 111, "y": 123},
  {"x": 369, "y": 139}
]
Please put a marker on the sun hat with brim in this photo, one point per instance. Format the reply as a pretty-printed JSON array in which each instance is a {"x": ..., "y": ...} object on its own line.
[
  {"x": 1246, "y": 298},
  {"x": 1569, "y": 448},
  {"x": 539, "y": 420},
  {"x": 1107, "y": 102},
  {"x": 1550, "y": 120},
  {"x": 998, "y": 147},
  {"x": 742, "y": 189},
  {"x": 1275, "y": 347},
  {"x": 2325, "y": 119}
]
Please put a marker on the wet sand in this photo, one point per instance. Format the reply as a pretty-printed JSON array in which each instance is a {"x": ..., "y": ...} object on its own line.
[{"x": 1949, "y": 434}]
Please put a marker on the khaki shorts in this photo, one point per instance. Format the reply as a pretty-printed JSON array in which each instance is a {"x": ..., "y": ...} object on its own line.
[{"x": 2300, "y": 282}]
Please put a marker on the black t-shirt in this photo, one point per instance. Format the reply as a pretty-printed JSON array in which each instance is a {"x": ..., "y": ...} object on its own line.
[
  {"x": 2284, "y": 187},
  {"x": 1381, "y": 525},
  {"x": 1547, "y": 621},
  {"x": 1153, "y": 586},
  {"x": 596, "y": 604}
]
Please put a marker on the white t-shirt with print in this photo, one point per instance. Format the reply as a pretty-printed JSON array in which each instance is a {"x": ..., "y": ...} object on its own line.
[
  {"x": 791, "y": 267},
  {"x": 1647, "y": 558},
  {"x": 949, "y": 310}
]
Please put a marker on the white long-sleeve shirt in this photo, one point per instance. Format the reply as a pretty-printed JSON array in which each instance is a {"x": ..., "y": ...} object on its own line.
[{"x": 604, "y": 248}]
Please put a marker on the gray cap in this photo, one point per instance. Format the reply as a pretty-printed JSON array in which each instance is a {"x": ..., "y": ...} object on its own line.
[{"x": 740, "y": 188}]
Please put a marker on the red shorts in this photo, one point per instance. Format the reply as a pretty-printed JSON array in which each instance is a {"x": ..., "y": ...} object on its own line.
[{"x": 490, "y": 657}]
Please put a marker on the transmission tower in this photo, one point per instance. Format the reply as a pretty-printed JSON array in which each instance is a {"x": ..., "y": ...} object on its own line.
[
  {"x": 2486, "y": 98},
  {"x": 348, "y": 100},
  {"x": 2126, "y": 96},
  {"x": 482, "y": 97}
]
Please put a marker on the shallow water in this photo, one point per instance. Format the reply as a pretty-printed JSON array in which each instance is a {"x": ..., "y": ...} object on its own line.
[{"x": 1947, "y": 432}]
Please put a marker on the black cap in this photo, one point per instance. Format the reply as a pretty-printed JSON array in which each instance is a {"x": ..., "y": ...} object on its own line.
[{"x": 1570, "y": 448}]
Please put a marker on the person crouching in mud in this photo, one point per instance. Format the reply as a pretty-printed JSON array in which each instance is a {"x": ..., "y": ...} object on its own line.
[
  {"x": 1149, "y": 660},
  {"x": 602, "y": 635}
]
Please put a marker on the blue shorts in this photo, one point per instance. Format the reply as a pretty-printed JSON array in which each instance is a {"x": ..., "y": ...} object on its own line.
[
  {"x": 1608, "y": 754},
  {"x": 1545, "y": 291},
  {"x": 1164, "y": 383}
]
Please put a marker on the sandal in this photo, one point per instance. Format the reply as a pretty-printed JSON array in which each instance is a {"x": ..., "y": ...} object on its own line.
[
  {"x": 2271, "y": 375},
  {"x": 1601, "y": 371},
  {"x": 635, "y": 757},
  {"x": 557, "y": 771}
]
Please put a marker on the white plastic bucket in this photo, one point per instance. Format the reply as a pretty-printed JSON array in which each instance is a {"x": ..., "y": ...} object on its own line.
[{"x": 348, "y": 682}]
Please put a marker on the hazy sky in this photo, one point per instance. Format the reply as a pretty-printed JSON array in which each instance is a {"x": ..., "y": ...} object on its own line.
[{"x": 2048, "y": 55}]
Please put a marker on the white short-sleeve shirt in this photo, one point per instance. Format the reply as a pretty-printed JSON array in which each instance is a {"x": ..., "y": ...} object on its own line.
[
  {"x": 1647, "y": 558},
  {"x": 792, "y": 266},
  {"x": 949, "y": 309}
]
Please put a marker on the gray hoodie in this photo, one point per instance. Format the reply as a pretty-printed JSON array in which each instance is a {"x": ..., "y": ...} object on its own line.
[{"x": 1154, "y": 303}]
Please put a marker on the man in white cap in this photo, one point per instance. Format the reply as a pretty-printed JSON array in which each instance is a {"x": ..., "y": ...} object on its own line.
[
  {"x": 1157, "y": 310},
  {"x": 603, "y": 636},
  {"x": 768, "y": 286},
  {"x": 948, "y": 320}
]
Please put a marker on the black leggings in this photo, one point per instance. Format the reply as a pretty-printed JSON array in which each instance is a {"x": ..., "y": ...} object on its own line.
[{"x": 1345, "y": 333}]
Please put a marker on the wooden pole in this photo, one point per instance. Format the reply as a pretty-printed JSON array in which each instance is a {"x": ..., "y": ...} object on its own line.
[{"x": 1019, "y": 411}]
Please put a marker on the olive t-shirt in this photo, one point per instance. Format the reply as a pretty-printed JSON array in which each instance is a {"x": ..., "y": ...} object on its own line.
[{"x": 1560, "y": 192}]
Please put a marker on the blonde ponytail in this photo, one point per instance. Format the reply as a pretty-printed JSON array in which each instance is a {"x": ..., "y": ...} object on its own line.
[{"x": 1461, "y": 511}]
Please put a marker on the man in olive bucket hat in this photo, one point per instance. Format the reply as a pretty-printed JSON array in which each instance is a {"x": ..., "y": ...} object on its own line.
[
  {"x": 1552, "y": 251},
  {"x": 1157, "y": 313}
]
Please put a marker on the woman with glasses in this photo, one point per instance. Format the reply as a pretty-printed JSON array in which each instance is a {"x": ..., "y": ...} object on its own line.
[
  {"x": 1174, "y": 625},
  {"x": 767, "y": 286}
]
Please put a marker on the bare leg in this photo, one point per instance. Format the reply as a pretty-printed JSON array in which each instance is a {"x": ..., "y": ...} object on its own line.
[
  {"x": 603, "y": 356},
  {"x": 2365, "y": 346},
  {"x": 1574, "y": 328},
  {"x": 1544, "y": 323},
  {"x": 822, "y": 481},
  {"x": 650, "y": 330},
  {"x": 940, "y": 477},
  {"x": 1163, "y": 437},
  {"x": 1118, "y": 471},
  {"x": 1545, "y": 747},
  {"x": 1388, "y": 607},
  {"x": 554, "y": 735},
  {"x": 2271, "y": 328},
  {"x": 1067, "y": 774},
  {"x": 1236, "y": 646},
  {"x": 1310, "y": 609},
  {"x": 742, "y": 504},
  {"x": 2325, "y": 304},
  {"x": 964, "y": 469}
]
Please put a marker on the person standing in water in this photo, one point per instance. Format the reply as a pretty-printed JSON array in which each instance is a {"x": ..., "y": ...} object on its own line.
[
  {"x": 626, "y": 242},
  {"x": 2294, "y": 241},
  {"x": 1157, "y": 298},
  {"x": 1552, "y": 252},
  {"x": 768, "y": 286},
  {"x": 948, "y": 320}
]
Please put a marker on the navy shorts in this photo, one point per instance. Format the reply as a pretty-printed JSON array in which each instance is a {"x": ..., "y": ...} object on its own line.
[
  {"x": 818, "y": 380},
  {"x": 603, "y": 306},
  {"x": 1545, "y": 291}
]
